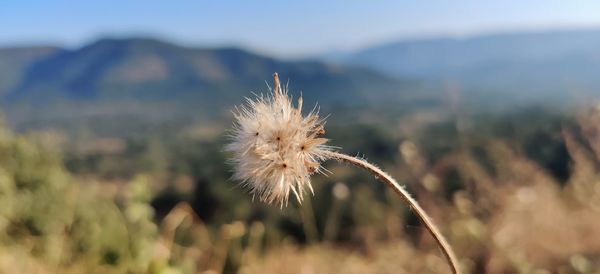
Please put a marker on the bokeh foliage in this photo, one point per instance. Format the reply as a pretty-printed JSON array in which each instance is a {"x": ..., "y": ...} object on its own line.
[
  {"x": 47, "y": 219},
  {"x": 95, "y": 201}
]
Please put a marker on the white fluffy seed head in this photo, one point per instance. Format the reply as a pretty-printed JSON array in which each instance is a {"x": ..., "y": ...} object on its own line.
[{"x": 275, "y": 148}]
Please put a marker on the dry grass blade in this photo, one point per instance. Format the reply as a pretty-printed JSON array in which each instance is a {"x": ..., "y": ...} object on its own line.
[{"x": 389, "y": 181}]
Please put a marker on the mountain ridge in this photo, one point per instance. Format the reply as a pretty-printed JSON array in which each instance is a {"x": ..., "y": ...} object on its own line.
[
  {"x": 558, "y": 68},
  {"x": 154, "y": 74},
  {"x": 569, "y": 39},
  {"x": 139, "y": 75}
]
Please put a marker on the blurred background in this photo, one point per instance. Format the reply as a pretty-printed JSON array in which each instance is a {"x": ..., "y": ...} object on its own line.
[{"x": 115, "y": 113}]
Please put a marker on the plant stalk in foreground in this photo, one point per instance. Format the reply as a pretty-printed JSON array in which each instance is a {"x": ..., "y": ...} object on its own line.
[
  {"x": 405, "y": 196},
  {"x": 276, "y": 149}
]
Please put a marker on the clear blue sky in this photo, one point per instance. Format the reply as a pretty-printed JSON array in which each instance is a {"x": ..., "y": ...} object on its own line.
[{"x": 282, "y": 28}]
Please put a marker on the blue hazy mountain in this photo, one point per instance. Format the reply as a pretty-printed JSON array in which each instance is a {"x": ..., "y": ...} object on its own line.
[
  {"x": 149, "y": 71},
  {"x": 142, "y": 79},
  {"x": 15, "y": 60},
  {"x": 154, "y": 79},
  {"x": 535, "y": 66}
]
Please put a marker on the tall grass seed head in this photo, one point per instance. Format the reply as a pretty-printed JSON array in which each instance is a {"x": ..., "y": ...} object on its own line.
[{"x": 275, "y": 148}]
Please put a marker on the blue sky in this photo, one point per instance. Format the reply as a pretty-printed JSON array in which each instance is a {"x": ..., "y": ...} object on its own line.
[{"x": 281, "y": 28}]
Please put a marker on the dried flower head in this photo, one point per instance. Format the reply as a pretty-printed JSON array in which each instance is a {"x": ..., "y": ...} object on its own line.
[{"x": 276, "y": 149}]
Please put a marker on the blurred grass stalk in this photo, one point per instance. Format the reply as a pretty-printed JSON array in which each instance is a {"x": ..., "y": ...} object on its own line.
[
  {"x": 309, "y": 222},
  {"x": 340, "y": 193}
]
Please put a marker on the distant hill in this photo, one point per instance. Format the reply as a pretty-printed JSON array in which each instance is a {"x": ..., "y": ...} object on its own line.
[
  {"x": 534, "y": 66},
  {"x": 147, "y": 79},
  {"x": 144, "y": 79},
  {"x": 15, "y": 60},
  {"x": 147, "y": 70}
]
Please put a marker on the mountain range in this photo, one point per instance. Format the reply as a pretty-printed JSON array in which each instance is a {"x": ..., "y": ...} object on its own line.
[
  {"x": 530, "y": 66},
  {"x": 147, "y": 68},
  {"x": 154, "y": 74},
  {"x": 155, "y": 79}
]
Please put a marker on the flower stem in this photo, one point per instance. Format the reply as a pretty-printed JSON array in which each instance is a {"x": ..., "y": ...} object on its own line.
[{"x": 390, "y": 182}]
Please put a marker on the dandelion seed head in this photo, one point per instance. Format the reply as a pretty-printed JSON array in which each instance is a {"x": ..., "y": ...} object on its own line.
[{"x": 275, "y": 148}]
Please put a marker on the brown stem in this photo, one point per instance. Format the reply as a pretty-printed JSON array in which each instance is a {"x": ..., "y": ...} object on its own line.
[{"x": 390, "y": 182}]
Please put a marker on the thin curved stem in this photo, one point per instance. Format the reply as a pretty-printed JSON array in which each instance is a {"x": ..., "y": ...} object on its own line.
[{"x": 390, "y": 182}]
